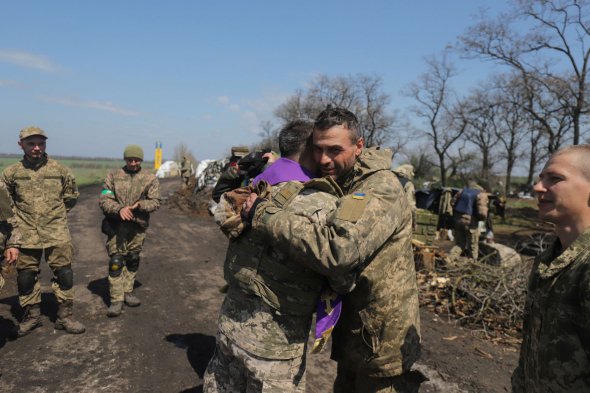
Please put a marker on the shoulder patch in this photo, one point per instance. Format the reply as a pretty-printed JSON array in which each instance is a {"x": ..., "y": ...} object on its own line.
[
  {"x": 106, "y": 192},
  {"x": 352, "y": 207}
]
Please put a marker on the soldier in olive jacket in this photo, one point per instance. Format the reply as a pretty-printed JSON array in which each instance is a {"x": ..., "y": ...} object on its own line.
[
  {"x": 377, "y": 338},
  {"x": 42, "y": 191},
  {"x": 128, "y": 197},
  {"x": 555, "y": 350}
]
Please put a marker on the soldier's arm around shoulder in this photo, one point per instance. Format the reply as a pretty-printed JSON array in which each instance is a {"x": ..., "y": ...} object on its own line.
[
  {"x": 362, "y": 222},
  {"x": 70, "y": 189},
  {"x": 151, "y": 199},
  {"x": 108, "y": 198}
]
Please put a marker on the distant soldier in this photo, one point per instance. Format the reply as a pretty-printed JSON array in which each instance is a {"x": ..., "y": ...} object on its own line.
[
  {"x": 470, "y": 206},
  {"x": 186, "y": 170},
  {"x": 555, "y": 349},
  {"x": 43, "y": 191},
  {"x": 9, "y": 241},
  {"x": 128, "y": 197},
  {"x": 405, "y": 175}
]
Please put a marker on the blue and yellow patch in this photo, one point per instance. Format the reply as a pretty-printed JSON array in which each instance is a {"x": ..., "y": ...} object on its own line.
[{"x": 358, "y": 195}]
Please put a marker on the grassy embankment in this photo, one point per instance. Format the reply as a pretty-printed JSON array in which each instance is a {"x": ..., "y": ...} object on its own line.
[{"x": 86, "y": 170}]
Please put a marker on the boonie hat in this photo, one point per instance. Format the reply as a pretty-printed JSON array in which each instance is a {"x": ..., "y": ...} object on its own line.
[
  {"x": 133, "y": 151},
  {"x": 30, "y": 131}
]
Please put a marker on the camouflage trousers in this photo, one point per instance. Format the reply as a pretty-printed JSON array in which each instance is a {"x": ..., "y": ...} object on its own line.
[
  {"x": 349, "y": 380},
  {"x": 56, "y": 257},
  {"x": 467, "y": 237},
  {"x": 234, "y": 370},
  {"x": 127, "y": 240}
]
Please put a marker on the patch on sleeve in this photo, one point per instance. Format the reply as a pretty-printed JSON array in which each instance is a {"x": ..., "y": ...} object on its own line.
[
  {"x": 353, "y": 206},
  {"x": 106, "y": 192}
]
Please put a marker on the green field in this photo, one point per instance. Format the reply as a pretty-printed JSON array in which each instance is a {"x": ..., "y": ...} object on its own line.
[{"x": 86, "y": 170}]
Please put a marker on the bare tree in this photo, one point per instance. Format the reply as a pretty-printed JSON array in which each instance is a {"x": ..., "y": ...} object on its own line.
[
  {"x": 553, "y": 53},
  {"x": 437, "y": 106},
  {"x": 182, "y": 150},
  {"x": 361, "y": 94}
]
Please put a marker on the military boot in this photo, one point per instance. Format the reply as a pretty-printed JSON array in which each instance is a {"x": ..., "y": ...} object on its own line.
[
  {"x": 65, "y": 321},
  {"x": 131, "y": 300},
  {"x": 115, "y": 309},
  {"x": 31, "y": 319}
]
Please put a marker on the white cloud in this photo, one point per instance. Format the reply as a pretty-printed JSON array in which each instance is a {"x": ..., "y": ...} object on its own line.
[
  {"x": 103, "y": 106},
  {"x": 28, "y": 60},
  {"x": 224, "y": 100}
]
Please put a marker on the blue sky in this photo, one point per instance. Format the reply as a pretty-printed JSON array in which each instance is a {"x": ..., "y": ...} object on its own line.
[{"x": 100, "y": 75}]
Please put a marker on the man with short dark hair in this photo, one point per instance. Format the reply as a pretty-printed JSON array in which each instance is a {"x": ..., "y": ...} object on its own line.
[
  {"x": 43, "y": 191},
  {"x": 377, "y": 338},
  {"x": 555, "y": 351},
  {"x": 128, "y": 197}
]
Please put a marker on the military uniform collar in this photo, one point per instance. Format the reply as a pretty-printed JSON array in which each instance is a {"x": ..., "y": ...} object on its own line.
[
  {"x": 35, "y": 165},
  {"x": 370, "y": 160},
  {"x": 553, "y": 260}
]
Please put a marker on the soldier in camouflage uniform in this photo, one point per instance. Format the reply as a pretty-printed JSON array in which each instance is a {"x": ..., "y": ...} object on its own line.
[
  {"x": 555, "y": 351},
  {"x": 377, "y": 338},
  {"x": 470, "y": 205},
  {"x": 265, "y": 318},
  {"x": 128, "y": 197},
  {"x": 43, "y": 191},
  {"x": 186, "y": 170},
  {"x": 9, "y": 235}
]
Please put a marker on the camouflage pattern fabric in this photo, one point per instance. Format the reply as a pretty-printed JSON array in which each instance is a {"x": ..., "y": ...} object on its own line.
[
  {"x": 234, "y": 370},
  {"x": 10, "y": 236},
  {"x": 466, "y": 233},
  {"x": 268, "y": 308},
  {"x": 555, "y": 351},
  {"x": 56, "y": 257},
  {"x": 122, "y": 188},
  {"x": 370, "y": 232},
  {"x": 185, "y": 171},
  {"x": 42, "y": 194}
]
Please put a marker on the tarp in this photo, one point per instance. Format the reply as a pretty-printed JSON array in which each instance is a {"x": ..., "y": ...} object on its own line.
[{"x": 168, "y": 169}]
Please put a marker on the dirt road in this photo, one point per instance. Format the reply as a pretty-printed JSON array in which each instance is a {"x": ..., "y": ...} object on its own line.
[{"x": 164, "y": 345}]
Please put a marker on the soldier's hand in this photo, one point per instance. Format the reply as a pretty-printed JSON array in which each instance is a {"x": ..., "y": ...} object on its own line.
[
  {"x": 249, "y": 203},
  {"x": 11, "y": 255},
  {"x": 126, "y": 214},
  {"x": 135, "y": 206}
]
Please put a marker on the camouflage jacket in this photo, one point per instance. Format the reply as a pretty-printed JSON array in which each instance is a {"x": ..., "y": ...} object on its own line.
[
  {"x": 555, "y": 351},
  {"x": 186, "y": 168},
  {"x": 271, "y": 299},
  {"x": 370, "y": 232},
  {"x": 122, "y": 188},
  {"x": 42, "y": 195},
  {"x": 9, "y": 234}
]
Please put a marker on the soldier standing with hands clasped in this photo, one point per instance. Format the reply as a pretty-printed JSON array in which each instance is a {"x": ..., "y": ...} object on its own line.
[
  {"x": 43, "y": 191},
  {"x": 128, "y": 197}
]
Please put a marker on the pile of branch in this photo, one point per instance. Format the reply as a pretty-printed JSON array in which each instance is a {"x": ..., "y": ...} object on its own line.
[{"x": 481, "y": 296}]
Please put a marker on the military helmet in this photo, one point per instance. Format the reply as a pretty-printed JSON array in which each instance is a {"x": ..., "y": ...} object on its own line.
[
  {"x": 133, "y": 151},
  {"x": 31, "y": 131}
]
